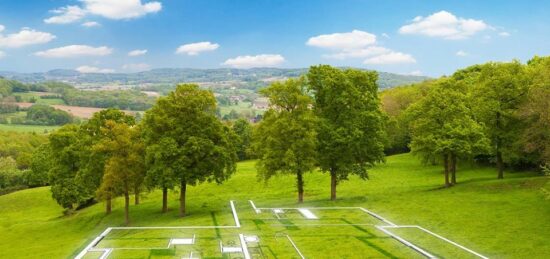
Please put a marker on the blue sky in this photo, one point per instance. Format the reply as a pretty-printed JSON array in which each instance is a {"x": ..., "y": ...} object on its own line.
[{"x": 409, "y": 37}]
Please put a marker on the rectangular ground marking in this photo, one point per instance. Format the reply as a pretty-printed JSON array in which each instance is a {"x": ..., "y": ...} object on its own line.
[
  {"x": 295, "y": 247},
  {"x": 307, "y": 214},
  {"x": 258, "y": 211},
  {"x": 244, "y": 247},
  {"x": 182, "y": 241}
]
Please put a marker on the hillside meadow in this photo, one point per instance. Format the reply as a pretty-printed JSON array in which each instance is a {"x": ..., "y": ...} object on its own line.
[{"x": 482, "y": 213}]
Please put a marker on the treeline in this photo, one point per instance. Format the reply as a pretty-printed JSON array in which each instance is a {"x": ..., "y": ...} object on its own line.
[
  {"x": 18, "y": 161},
  {"x": 494, "y": 113},
  {"x": 120, "y": 99},
  {"x": 40, "y": 114}
]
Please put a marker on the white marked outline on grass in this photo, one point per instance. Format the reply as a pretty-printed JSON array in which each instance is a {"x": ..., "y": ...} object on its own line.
[
  {"x": 91, "y": 246},
  {"x": 384, "y": 228},
  {"x": 244, "y": 247}
]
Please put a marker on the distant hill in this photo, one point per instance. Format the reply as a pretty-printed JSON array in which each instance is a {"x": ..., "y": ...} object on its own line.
[{"x": 176, "y": 75}]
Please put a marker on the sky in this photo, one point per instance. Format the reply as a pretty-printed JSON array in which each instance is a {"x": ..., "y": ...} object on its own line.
[{"x": 422, "y": 37}]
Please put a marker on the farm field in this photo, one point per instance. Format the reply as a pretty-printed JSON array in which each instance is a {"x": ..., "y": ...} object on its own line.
[
  {"x": 27, "y": 128},
  {"x": 476, "y": 213},
  {"x": 77, "y": 111}
]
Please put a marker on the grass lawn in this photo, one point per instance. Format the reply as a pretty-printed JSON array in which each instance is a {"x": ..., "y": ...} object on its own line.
[
  {"x": 499, "y": 218},
  {"x": 27, "y": 128}
]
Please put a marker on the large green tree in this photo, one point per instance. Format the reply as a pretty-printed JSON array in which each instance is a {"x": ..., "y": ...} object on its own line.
[
  {"x": 350, "y": 129},
  {"x": 285, "y": 139},
  {"x": 186, "y": 142},
  {"x": 499, "y": 92},
  {"x": 243, "y": 129},
  {"x": 444, "y": 127}
]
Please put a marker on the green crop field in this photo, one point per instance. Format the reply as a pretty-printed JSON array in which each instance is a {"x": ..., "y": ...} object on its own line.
[
  {"x": 27, "y": 128},
  {"x": 27, "y": 96},
  {"x": 481, "y": 213}
]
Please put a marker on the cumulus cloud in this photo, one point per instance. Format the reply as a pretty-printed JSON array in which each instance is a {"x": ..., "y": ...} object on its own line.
[
  {"x": 358, "y": 44},
  {"x": 2, "y": 28},
  {"x": 136, "y": 67},
  {"x": 444, "y": 25},
  {"x": 24, "y": 37},
  {"x": 345, "y": 40},
  {"x": 64, "y": 15},
  {"x": 91, "y": 69},
  {"x": 91, "y": 24},
  {"x": 263, "y": 60},
  {"x": 137, "y": 52},
  {"x": 111, "y": 9},
  {"x": 390, "y": 59},
  {"x": 72, "y": 51},
  {"x": 462, "y": 53},
  {"x": 193, "y": 49}
]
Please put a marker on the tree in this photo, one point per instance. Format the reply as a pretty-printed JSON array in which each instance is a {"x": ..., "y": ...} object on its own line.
[
  {"x": 501, "y": 89},
  {"x": 40, "y": 165},
  {"x": 443, "y": 126},
  {"x": 65, "y": 154},
  {"x": 350, "y": 133},
  {"x": 93, "y": 160},
  {"x": 285, "y": 140},
  {"x": 243, "y": 129},
  {"x": 187, "y": 142},
  {"x": 124, "y": 169},
  {"x": 535, "y": 112}
]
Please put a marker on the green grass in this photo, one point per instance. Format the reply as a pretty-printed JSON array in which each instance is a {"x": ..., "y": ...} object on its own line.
[
  {"x": 26, "y": 97},
  {"x": 499, "y": 218},
  {"x": 241, "y": 107},
  {"x": 27, "y": 128}
]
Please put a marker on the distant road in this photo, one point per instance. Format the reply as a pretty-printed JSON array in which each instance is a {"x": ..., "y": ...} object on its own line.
[{"x": 77, "y": 111}]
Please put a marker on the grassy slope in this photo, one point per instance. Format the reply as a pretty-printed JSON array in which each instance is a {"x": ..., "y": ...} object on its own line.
[{"x": 500, "y": 218}]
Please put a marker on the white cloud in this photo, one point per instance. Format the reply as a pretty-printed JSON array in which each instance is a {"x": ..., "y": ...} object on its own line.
[
  {"x": 415, "y": 73},
  {"x": 24, "y": 37},
  {"x": 2, "y": 54},
  {"x": 390, "y": 59},
  {"x": 2, "y": 28},
  {"x": 111, "y": 9},
  {"x": 90, "y": 69},
  {"x": 385, "y": 35},
  {"x": 193, "y": 49},
  {"x": 121, "y": 9},
  {"x": 263, "y": 60},
  {"x": 137, "y": 52},
  {"x": 358, "y": 53},
  {"x": 68, "y": 14},
  {"x": 91, "y": 24},
  {"x": 444, "y": 25},
  {"x": 345, "y": 40},
  {"x": 462, "y": 53},
  {"x": 72, "y": 51},
  {"x": 136, "y": 67},
  {"x": 504, "y": 34}
]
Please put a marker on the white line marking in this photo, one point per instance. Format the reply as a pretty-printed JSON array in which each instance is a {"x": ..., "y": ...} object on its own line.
[
  {"x": 295, "y": 247},
  {"x": 405, "y": 242},
  {"x": 377, "y": 216},
  {"x": 237, "y": 223},
  {"x": 244, "y": 246}
]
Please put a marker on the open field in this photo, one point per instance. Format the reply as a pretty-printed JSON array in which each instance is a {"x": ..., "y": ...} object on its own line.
[
  {"x": 26, "y": 97},
  {"x": 498, "y": 218},
  {"x": 27, "y": 128},
  {"x": 77, "y": 111}
]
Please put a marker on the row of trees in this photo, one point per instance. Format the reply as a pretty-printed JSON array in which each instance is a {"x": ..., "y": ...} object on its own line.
[
  {"x": 328, "y": 119},
  {"x": 495, "y": 112},
  {"x": 179, "y": 142}
]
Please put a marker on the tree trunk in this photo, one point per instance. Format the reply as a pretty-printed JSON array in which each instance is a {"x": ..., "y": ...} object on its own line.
[
  {"x": 136, "y": 195},
  {"x": 183, "y": 188},
  {"x": 446, "y": 164},
  {"x": 333, "y": 183},
  {"x": 453, "y": 169},
  {"x": 300, "y": 183},
  {"x": 500, "y": 166},
  {"x": 164, "y": 199},
  {"x": 108, "y": 205},
  {"x": 127, "y": 207}
]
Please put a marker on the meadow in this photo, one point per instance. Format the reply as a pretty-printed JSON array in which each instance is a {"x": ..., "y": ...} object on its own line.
[
  {"x": 485, "y": 214},
  {"x": 39, "y": 129}
]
